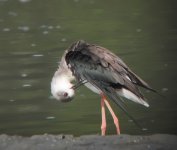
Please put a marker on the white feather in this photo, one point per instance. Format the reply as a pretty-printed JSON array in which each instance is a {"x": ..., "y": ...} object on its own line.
[
  {"x": 59, "y": 84},
  {"x": 129, "y": 95},
  {"x": 93, "y": 88}
]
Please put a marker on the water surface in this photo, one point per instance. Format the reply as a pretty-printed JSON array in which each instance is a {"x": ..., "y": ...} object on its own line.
[{"x": 33, "y": 36}]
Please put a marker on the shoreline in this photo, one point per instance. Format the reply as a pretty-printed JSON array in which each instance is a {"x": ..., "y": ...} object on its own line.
[{"x": 89, "y": 142}]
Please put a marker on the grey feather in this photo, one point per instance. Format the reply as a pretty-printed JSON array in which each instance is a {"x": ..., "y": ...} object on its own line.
[
  {"x": 104, "y": 70},
  {"x": 99, "y": 63}
]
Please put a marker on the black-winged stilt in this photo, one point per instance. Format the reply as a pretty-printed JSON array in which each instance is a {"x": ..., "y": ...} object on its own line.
[{"x": 102, "y": 72}]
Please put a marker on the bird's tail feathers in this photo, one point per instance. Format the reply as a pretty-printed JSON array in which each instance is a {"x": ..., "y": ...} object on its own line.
[
  {"x": 120, "y": 103},
  {"x": 131, "y": 96}
]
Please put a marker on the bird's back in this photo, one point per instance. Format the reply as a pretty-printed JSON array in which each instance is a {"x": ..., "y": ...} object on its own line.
[{"x": 105, "y": 71}]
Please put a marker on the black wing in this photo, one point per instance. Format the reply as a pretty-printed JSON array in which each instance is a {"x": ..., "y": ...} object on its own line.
[
  {"x": 95, "y": 63},
  {"x": 104, "y": 70}
]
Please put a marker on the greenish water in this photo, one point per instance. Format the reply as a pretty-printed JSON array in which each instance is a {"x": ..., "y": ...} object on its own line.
[{"x": 33, "y": 36}]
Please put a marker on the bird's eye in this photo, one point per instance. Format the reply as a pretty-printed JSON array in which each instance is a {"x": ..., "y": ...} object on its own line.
[{"x": 65, "y": 94}]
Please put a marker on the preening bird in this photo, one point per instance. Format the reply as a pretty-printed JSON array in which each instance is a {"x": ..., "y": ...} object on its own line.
[{"x": 102, "y": 72}]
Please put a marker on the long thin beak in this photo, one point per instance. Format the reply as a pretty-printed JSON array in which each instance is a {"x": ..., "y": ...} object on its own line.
[{"x": 79, "y": 84}]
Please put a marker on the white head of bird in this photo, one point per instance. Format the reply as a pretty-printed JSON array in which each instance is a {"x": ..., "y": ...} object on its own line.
[{"x": 61, "y": 87}]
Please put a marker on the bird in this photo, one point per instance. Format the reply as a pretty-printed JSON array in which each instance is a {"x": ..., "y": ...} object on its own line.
[{"x": 104, "y": 73}]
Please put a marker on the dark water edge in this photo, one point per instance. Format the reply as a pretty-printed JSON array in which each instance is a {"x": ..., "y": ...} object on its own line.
[{"x": 89, "y": 142}]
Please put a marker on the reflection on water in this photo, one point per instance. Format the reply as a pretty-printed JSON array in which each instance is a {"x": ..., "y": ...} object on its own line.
[{"x": 33, "y": 36}]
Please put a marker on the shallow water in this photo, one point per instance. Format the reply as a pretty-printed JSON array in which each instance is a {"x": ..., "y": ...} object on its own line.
[{"x": 33, "y": 36}]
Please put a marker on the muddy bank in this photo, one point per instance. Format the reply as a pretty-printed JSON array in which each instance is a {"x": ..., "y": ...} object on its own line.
[{"x": 89, "y": 142}]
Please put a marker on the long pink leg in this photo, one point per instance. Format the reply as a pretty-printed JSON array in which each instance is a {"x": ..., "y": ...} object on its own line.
[
  {"x": 103, "y": 115},
  {"x": 116, "y": 121}
]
